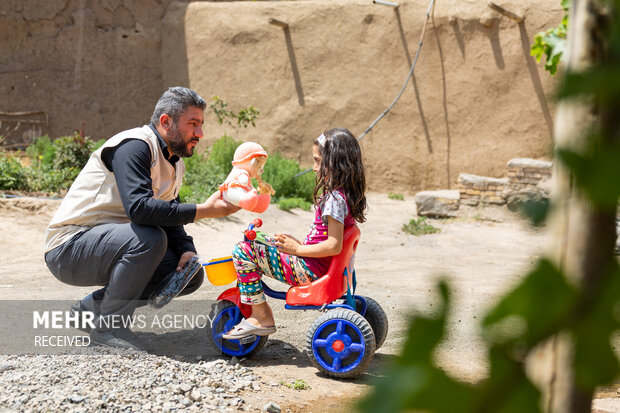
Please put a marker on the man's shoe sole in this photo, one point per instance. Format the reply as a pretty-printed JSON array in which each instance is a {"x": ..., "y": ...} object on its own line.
[
  {"x": 111, "y": 342},
  {"x": 76, "y": 308}
]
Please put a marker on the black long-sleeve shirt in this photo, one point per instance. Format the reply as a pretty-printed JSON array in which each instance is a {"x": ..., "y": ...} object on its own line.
[{"x": 131, "y": 164}]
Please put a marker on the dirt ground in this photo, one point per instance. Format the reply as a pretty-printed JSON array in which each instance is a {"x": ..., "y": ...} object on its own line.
[{"x": 483, "y": 252}]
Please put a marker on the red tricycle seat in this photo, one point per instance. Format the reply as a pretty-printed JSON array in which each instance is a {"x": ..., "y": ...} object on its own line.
[{"x": 332, "y": 285}]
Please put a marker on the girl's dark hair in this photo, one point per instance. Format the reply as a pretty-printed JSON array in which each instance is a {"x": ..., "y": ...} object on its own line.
[{"x": 342, "y": 168}]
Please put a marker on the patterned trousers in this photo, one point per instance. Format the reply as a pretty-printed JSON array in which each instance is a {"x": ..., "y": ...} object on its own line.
[{"x": 253, "y": 259}]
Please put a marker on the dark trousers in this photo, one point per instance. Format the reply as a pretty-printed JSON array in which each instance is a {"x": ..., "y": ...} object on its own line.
[{"x": 128, "y": 260}]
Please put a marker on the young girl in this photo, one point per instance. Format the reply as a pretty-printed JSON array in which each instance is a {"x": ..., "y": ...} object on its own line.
[{"x": 340, "y": 201}]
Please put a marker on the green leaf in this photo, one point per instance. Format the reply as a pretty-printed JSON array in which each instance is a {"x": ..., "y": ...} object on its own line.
[
  {"x": 596, "y": 171},
  {"x": 543, "y": 301},
  {"x": 595, "y": 361},
  {"x": 602, "y": 83},
  {"x": 507, "y": 390},
  {"x": 413, "y": 381}
]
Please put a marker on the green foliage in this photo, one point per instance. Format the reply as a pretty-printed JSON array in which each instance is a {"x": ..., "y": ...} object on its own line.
[
  {"x": 244, "y": 117},
  {"x": 222, "y": 152},
  {"x": 419, "y": 227},
  {"x": 286, "y": 204},
  {"x": 298, "y": 384},
  {"x": 41, "y": 151},
  {"x": 596, "y": 170},
  {"x": 55, "y": 164},
  {"x": 12, "y": 175},
  {"x": 72, "y": 152},
  {"x": 203, "y": 174},
  {"x": 552, "y": 43},
  {"x": 280, "y": 173},
  {"x": 397, "y": 196}
]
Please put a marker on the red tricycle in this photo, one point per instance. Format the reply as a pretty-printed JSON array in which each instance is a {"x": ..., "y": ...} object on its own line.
[{"x": 342, "y": 340}]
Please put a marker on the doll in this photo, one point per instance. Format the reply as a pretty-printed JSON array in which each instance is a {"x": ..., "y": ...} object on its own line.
[{"x": 248, "y": 162}]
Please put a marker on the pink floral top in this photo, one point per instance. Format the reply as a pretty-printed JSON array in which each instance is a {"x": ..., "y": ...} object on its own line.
[{"x": 334, "y": 205}]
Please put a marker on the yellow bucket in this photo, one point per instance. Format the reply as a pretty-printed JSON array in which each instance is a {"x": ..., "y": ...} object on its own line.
[{"x": 221, "y": 271}]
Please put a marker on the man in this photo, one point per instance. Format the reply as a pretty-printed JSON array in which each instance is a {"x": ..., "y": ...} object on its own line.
[{"x": 121, "y": 223}]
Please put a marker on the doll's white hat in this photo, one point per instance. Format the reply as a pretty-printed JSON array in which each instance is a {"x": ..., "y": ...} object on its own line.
[{"x": 247, "y": 151}]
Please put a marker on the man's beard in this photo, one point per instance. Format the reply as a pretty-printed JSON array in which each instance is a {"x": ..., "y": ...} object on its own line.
[{"x": 178, "y": 145}]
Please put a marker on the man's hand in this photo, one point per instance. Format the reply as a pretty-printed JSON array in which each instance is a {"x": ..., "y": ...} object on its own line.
[
  {"x": 185, "y": 259},
  {"x": 286, "y": 243},
  {"x": 215, "y": 207}
]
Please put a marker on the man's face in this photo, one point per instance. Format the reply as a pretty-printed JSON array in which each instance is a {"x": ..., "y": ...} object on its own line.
[{"x": 184, "y": 134}]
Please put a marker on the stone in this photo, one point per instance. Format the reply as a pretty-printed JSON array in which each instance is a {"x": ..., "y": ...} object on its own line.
[
  {"x": 77, "y": 398},
  {"x": 522, "y": 163},
  {"x": 480, "y": 182},
  {"x": 272, "y": 407},
  {"x": 437, "y": 204},
  {"x": 195, "y": 396}
]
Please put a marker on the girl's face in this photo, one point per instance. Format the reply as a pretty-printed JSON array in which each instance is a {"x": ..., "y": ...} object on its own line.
[{"x": 316, "y": 154}]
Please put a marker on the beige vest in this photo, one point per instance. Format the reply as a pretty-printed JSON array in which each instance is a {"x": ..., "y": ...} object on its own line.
[{"x": 93, "y": 199}]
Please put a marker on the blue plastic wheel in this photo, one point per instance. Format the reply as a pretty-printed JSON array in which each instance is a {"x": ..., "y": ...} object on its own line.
[
  {"x": 341, "y": 343},
  {"x": 225, "y": 315}
]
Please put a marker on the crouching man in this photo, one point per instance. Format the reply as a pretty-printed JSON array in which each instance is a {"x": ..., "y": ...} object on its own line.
[{"x": 120, "y": 226}]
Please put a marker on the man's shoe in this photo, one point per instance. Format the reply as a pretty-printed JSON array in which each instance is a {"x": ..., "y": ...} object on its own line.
[
  {"x": 117, "y": 338},
  {"x": 76, "y": 311}
]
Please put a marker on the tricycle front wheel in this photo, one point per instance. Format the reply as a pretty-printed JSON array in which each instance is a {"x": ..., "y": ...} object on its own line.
[{"x": 224, "y": 316}]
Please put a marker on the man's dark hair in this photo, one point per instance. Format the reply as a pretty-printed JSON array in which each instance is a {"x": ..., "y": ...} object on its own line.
[{"x": 174, "y": 101}]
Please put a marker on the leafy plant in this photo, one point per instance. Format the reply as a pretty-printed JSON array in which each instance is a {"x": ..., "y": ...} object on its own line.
[
  {"x": 419, "y": 227},
  {"x": 244, "y": 117},
  {"x": 298, "y": 384},
  {"x": 397, "y": 196},
  {"x": 41, "y": 151},
  {"x": 12, "y": 175},
  {"x": 280, "y": 173},
  {"x": 203, "y": 175},
  {"x": 552, "y": 43},
  {"x": 222, "y": 152},
  {"x": 286, "y": 204}
]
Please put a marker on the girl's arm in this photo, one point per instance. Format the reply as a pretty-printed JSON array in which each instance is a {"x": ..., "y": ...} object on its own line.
[{"x": 328, "y": 248}]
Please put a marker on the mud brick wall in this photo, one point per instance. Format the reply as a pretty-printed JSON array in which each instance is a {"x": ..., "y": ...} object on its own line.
[
  {"x": 526, "y": 174},
  {"x": 476, "y": 189}
]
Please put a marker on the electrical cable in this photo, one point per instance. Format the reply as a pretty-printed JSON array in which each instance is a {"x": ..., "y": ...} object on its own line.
[{"x": 402, "y": 90}]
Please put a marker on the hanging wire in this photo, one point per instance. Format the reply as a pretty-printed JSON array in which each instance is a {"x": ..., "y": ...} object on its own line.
[{"x": 402, "y": 90}]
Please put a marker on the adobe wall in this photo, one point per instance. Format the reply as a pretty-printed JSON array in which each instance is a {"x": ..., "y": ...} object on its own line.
[
  {"x": 97, "y": 61},
  {"x": 478, "y": 98}
]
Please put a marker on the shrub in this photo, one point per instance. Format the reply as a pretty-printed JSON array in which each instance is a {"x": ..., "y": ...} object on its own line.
[
  {"x": 72, "y": 152},
  {"x": 56, "y": 164},
  {"x": 419, "y": 227},
  {"x": 12, "y": 175},
  {"x": 41, "y": 151},
  {"x": 286, "y": 204},
  {"x": 397, "y": 196},
  {"x": 222, "y": 152},
  {"x": 280, "y": 173},
  {"x": 202, "y": 178}
]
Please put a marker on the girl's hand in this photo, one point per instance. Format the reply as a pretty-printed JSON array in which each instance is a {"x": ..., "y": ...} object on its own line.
[{"x": 286, "y": 243}]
